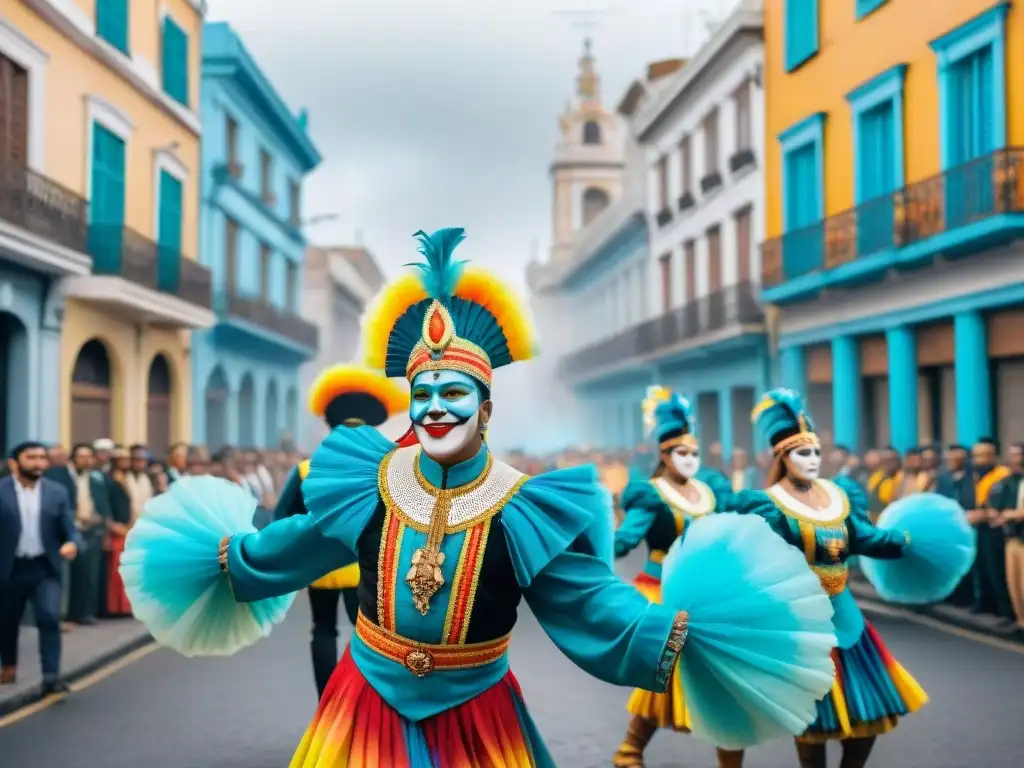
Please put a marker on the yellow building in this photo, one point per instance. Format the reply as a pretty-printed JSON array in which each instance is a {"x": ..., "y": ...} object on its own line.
[
  {"x": 113, "y": 105},
  {"x": 894, "y": 173}
]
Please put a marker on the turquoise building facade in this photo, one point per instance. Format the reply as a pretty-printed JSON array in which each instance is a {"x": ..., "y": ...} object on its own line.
[{"x": 256, "y": 154}]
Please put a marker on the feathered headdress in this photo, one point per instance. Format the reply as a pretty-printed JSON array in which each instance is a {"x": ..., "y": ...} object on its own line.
[
  {"x": 446, "y": 315},
  {"x": 785, "y": 422},
  {"x": 356, "y": 395},
  {"x": 669, "y": 416}
]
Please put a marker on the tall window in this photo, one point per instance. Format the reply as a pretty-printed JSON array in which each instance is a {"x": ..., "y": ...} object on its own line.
[
  {"x": 744, "y": 129},
  {"x": 230, "y": 255},
  {"x": 714, "y": 259},
  {"x": 112, "y": 23},
  {"x": 291, "y": 296},
  {"x": 711, "y": 142},
  {"x": 294, "y": 202},
  {"x": 13, "y": 115},
  {"x": 666, "y": 281},
  {"x": 266, "y": 180},
  {"x": 743, "y": 235},
  {"x": 591, "y": 132},
  {"x": 231, "y": 139},
  {"x": 663, "y": 183},
  {"x": 690, "y": 268},
  {"x": 686, "y": 165},
  {"x": 175, "y": 61},
  {"x": 595, "y": 200},
  {"x": 266, "y": 256},
  {"x": 971, "y": 106}
]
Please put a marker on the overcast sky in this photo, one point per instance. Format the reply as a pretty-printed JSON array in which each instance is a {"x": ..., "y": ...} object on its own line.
[{"x": 444, "y": 113}]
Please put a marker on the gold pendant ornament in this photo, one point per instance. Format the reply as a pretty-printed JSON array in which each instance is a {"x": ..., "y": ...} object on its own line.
[
  {"x": 835, "y": 549},
  {"x": 424, "y": 578}
]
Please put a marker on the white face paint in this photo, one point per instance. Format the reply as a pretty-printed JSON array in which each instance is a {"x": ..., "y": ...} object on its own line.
[
  {"x": 685, "y": 461},
  {"x": 445, "y": 412},
  {"x": 806, "y": 462}
]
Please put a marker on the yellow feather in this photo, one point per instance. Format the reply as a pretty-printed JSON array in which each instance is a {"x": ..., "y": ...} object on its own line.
[
  {"x": 389, "y": 305},
  {"x": 341, "y": 379},
  {"x": 483, "y": 288}
]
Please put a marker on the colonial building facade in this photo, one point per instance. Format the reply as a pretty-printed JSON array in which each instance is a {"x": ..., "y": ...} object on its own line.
[
  {"x": 895, "y": 264},
  {"x": 339, "y": 283},
  {"x": 255, "y": 156},
  {"x": 99, "y": 283}
]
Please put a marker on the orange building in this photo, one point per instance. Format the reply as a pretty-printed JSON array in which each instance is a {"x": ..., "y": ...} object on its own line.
[{"x": 894, "y": 172}]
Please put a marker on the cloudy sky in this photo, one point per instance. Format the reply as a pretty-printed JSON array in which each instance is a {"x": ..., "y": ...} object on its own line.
[{"x": 444, "y": 113}]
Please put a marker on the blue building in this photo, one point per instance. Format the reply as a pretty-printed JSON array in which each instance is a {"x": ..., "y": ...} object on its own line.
[{"x": 256, "y": 154}]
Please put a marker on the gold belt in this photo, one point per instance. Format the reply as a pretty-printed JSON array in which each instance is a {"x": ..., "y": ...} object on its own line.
[
  {"x": 423, "y": 658},
  {"x": 832, "y": 578},
  {"x": 657, "y": 556}
]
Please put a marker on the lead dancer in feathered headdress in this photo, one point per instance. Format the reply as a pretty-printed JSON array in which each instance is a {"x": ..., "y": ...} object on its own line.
[
  {"x": 449, "y": 540},
  {"x": 918, "y": 553}
]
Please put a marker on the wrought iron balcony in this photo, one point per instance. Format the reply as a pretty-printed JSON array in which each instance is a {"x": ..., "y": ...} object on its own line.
[
  {"x": 120, "y": 251},
  {"x": 43, "y": 207},
  {"x": 733, "y": 306},
  {"x": 981, "y": 189},
  {"x": 258, "y": 312}
]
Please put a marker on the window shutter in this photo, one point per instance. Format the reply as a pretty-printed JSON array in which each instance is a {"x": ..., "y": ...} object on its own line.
[
  {"x": 170, "y": 213},
  {"x": 112, "y": 22},
  {"x": 175, "y": 61}
]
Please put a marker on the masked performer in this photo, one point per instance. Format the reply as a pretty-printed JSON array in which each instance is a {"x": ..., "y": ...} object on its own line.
[
  {"x": 826, "y": 522},
  {"x": 343, "y": 396},
  {"x": 449, "y": 540},
  {"x": 658, "y": 511}
]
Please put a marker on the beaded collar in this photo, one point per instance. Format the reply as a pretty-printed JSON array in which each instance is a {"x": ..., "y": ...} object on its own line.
[
  {"x": 837, "y": 510},
  {"x": 679, "y": 503}
]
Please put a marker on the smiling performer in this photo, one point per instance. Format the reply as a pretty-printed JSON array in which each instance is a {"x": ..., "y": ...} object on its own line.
[
  {"x": 871, "y": 690},
  {"x": 449, "y": 540},
  {"x": 658, "y": 511},
  {"x": 343, "y": 396}
]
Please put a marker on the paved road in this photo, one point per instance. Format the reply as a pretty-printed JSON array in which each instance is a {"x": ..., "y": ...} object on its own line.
[{"x": 248, "y": 711}]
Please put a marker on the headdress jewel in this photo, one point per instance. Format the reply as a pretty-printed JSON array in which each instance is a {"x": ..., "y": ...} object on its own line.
[{"x": 782, "y": 417}]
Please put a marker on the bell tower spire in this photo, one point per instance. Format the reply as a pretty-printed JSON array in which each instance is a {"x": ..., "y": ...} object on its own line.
[{"x": 588, "y": 84}]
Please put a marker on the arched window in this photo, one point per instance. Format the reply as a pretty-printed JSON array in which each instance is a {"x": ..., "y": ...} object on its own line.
[
  {"x": 591, "y": 132},
  {"x": 595, "y": 200},
  {"x": 93, "y": 365},
  {"x": 158, "y": 406},
  {"x": 91, "y": 394}
]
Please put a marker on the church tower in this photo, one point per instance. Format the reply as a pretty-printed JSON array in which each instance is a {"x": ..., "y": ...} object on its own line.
[{"x": 587, "y": 169}]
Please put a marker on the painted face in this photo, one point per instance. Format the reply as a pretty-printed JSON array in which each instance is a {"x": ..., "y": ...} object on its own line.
[
  {"x": 686, "y": 460},
  {"x": 805, "y": 462},
  {"x": 445, "y": 411}
]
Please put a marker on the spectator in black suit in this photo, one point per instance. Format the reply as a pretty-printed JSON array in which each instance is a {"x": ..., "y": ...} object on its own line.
[
  {"x": 91, "y": 508},
  {"x": 37, "y": 534}
]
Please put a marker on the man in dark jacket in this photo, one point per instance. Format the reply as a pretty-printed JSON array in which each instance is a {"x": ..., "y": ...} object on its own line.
[
  {"x": 92, "y": 513},
  {"x": 37, "y": 534}
]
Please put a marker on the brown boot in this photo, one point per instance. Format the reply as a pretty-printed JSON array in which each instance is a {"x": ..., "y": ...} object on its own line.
[
  {"x": 630, "y": 753},
  {"x": 8, "y": 675},
  {"x": 730, "y": 759},
  {"x": 810, "y": 755},
  {"x": 856, "y": 752}
]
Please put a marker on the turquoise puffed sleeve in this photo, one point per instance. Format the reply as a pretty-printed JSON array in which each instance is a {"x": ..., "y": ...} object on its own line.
[
  {"x": 760, "y": 503},
  {"x": 856, "y": 494},
  {"x": 603, "y": 625},
  {"x": 284, "y": 557},
  {"x": 869, "y": 540},
  {"x": 639, "y": 502},
  {"x": 720, "y": 486}
]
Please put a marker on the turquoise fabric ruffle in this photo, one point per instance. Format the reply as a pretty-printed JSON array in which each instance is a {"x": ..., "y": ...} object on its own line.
[
  {"x": 940, "y": 552},
  {"x": 172, "y": 576},
  {"x": 758, "y": 655},
  {"x": 340, "y": 490}
]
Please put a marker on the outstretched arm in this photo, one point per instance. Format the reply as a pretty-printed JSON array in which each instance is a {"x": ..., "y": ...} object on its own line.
[
  {"x": 284, "y": 557},
  {"x": 605, "y": 626},
  {"x": 868, "y": 540},
  {"x": 635, "y": 525}
]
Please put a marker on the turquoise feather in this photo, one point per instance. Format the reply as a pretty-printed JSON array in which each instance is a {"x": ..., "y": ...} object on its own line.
[
  {"x": 441, "y": 273},
  {"x": 784, "y": 413},
  {"x": 673, "y": 415}
]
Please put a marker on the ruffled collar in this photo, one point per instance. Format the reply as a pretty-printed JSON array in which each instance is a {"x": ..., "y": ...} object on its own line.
[{"x": 454, "y": 476}]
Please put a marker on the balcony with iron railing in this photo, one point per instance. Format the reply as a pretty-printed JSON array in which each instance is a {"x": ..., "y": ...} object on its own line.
[
  {"x": 119, "y": 251},
  {"x": 964, "y": 210},
  {"x": 734, "y": 306},
  {"x": 43, "y": 207},
  {"x": 257, "y": 311}
]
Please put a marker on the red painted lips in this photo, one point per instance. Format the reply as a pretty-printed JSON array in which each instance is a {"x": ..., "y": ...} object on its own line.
[{"x": 437, "y": 431}]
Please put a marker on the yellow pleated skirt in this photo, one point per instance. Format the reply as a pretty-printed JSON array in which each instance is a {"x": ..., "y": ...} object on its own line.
[
  {"x": 342, "y": 578},
  {"x": 668, "y": 709}
]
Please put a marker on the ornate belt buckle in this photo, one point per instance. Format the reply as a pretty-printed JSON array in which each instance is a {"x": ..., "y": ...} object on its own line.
[{"x": 419, "y": 662}]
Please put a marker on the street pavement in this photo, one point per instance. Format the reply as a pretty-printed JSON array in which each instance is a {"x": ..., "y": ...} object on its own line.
[{"x": 249, "y": 711}]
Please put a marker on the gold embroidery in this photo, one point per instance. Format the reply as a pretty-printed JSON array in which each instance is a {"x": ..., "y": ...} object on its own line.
[
  {"x": 835, "y": 548},
  {"x": 832, "y": 578},
  {"x": 797, "y": 515},
  {"x": 392, "y": 533},
  {"x": 809, "y": 537},
  {"x": 424, "y": 577},
  {"x": 481, "y": 550}
]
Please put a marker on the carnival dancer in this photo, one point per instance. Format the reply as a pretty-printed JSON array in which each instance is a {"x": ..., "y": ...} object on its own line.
[
  {"x": 658, "y": 511},
  {"x": 343, "y": 396},
  {"x": 920, "y": 549},
  {"x": 449, "y": 540}
]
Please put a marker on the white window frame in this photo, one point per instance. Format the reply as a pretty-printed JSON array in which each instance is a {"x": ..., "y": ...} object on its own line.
[
  {"x": 15, "y": 45},
  {"x": 115, "y": 120}
]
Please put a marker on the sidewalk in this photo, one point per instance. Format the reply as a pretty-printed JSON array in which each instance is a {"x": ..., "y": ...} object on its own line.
[
  {"x": 949, "y": 614},
  {"x": 85, "y": 649}
]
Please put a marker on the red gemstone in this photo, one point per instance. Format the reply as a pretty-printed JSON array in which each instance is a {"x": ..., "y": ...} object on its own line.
[{"x": 435, "y": 328}]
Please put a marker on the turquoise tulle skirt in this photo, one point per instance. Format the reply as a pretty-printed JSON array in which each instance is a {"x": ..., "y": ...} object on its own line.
[
  {"x": 759, "y": 653},
  {"x": 173, "y": 580},
  {"x": 939, "y": 554}
]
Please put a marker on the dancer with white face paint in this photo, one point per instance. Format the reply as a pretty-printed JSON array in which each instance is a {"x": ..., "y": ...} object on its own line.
[
  {"x": 658, "y": 511},
  {"x": 825, "y": 521},
  {"x": 450, "y": 540}
]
